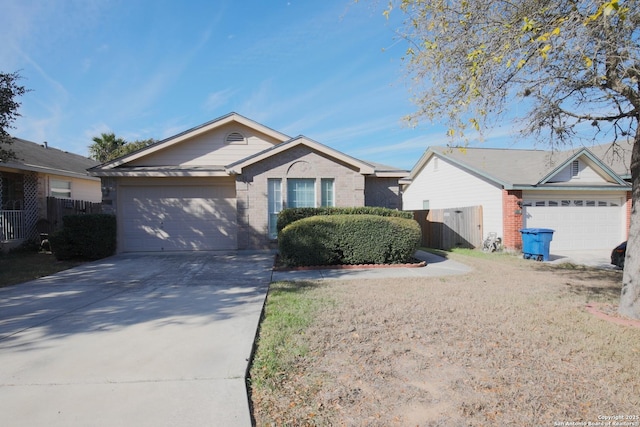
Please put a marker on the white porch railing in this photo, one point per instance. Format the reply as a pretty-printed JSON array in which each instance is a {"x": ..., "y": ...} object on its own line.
[{"x": 12, "y": 225}]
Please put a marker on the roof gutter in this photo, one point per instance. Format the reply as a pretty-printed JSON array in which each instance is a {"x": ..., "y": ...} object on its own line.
[
  {"x": 570, "y": 188},
  {"x": 155, "y": 173}
]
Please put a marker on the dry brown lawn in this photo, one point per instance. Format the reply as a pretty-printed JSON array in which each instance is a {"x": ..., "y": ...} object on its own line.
[{"x": 508, "y": 344}]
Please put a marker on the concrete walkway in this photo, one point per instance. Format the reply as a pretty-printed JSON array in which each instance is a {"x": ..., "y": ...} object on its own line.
[
  {"x": 133, "y": 340},
  {"x": 436, "y": 266}
]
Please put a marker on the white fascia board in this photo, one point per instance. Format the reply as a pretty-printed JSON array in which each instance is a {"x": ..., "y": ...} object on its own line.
[
  {"x": 415, "y": 170},
  {"x": 592, "y": 161},
  {"x": 45, "y": 170},
  {"x": 159, "y": 173},
  {"x": 391, "y": 174}
]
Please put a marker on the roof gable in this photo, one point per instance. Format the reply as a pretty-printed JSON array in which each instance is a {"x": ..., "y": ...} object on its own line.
[
  {"x": 581, "y": 168},
  {"x": 200, "y": 142},
  {"x": 207, "y": 150},
  {"x": 363, "y": 167},
  {"x": 219, "y": 146},
  {"x": 616, "y": 155}
]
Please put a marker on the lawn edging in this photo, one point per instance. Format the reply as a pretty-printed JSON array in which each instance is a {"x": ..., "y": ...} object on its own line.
[{"x": 596, "y": 309}]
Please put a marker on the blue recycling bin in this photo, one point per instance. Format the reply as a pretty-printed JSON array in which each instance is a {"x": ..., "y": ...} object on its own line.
[{"x": 536, "y": 242}]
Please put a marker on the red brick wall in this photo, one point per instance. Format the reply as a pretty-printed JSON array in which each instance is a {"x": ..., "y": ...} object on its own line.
[{"x": 512, "y": 219}]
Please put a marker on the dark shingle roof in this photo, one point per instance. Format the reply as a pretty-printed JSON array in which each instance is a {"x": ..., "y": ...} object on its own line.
[{"x": 39, "y": 158}]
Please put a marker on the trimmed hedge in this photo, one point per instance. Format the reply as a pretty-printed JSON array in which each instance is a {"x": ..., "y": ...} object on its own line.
[
  {"x": 349, "y": 239},
  {"x": 289, "y": 215},
  {"x": 90, "y": 236}
]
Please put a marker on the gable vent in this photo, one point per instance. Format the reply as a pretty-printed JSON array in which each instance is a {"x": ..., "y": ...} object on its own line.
[
  {"x": 575, "y": 168},
  {"x": 235, "y": 138}
]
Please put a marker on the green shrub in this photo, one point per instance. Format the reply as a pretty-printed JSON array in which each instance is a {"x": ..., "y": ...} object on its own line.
[
  {"x": 287, "y": 216},
  {"x": 91, "y": 237},
  {"x": 349, "y": 239}
]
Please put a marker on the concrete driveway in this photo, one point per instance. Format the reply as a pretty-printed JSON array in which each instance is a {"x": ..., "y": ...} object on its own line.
[
  {"x": 591, "y": 258},
  {"x": 133, "y": 340}
]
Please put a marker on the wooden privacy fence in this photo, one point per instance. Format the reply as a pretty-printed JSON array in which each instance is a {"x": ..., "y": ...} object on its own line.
[
  {"x": 451, "y": 228},
  {"x": 57, "y": 208}
]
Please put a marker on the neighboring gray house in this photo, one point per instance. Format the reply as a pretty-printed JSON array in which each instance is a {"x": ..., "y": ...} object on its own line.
[
  {"x": 38, "y": 172},
  {"x": 221, "y": 185},
  {"x": 582, "y": 194}
]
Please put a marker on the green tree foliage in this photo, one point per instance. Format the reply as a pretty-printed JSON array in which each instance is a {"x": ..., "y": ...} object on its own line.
[
  {"x": 565, "y": 62},
  {"x": 571, "y": 66},
  {"x": 85, "y": 236},
  {"x": 107, "y": 147},
  {"x": 350, "y": 239},
  {"x": 130, "y": 147},
  {"x": 9, "y": 91},
  {"x": 289, "y": 215}
]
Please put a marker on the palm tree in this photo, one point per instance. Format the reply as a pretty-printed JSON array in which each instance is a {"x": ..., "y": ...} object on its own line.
[{"x": 106, "y": 147}]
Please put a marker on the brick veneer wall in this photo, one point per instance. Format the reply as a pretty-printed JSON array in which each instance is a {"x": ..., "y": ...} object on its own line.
[
  {"x": 382, "y": 192},
  {"x": 512, "y": 219},
  {"x": 297, "y": 162}
]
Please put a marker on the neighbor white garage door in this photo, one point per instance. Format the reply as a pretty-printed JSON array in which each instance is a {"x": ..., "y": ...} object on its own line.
[
  {"x": 578, "y": 224},
  {"x": 177, "y": 217}
]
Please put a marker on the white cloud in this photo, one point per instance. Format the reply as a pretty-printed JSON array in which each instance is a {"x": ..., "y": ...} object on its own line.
[
  {"x": 360, "y": 129},
  {"x": 420, "y": 142},
  {"x": 218, "y": 99},
  {"x": 259, "y": 104},
  {"x": 96, "y": 130}
]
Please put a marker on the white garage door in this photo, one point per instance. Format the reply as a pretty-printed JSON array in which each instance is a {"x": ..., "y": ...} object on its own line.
[
  {"x": 578, "y": 224},
  {"x": 177, "y": 218}
]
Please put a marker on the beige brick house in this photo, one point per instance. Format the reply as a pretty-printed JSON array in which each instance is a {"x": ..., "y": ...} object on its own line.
[{"x": 221, "y": 185}]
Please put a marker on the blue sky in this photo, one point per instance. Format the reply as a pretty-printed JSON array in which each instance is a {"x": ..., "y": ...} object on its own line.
[{"x": 330, "y": 70}]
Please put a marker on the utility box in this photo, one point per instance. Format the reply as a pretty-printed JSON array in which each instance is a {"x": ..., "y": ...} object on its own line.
[{"x": 536, "y": 243}]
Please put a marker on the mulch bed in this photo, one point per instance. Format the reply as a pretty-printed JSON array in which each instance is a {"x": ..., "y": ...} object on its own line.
[{"x": 413, "y": 263}]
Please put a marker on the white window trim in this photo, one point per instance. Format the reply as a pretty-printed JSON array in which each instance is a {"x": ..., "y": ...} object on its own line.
[
  {"x": 315, "y": 191},
  {"x": 333, "y": 192},
  {"x": 272, "y": 216},
  {"x": 60, "y": 190}
]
